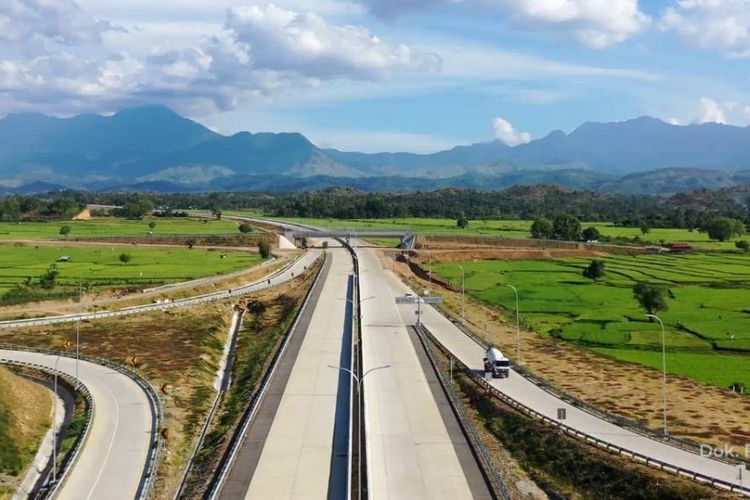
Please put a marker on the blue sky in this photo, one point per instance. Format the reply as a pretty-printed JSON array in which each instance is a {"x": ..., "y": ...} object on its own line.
[{"x": 374, "y": 75}]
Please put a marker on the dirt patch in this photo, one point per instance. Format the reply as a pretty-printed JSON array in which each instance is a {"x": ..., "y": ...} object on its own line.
[{"x": 697, "y": 411}]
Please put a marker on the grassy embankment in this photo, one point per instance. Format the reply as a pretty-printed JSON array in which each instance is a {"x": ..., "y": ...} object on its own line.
[
  {"x": 25, "y": 417},
  {"x": 708, "y": 321}
]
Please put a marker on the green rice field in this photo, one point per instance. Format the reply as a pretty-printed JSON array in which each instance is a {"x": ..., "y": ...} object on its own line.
[
  {"x": 708, "y": 297},
  {"x": 114, "y": 227}
]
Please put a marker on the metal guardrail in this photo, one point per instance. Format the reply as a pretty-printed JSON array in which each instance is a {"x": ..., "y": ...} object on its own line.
[
  {"x": 156, "y": 445},
  {"x": 44, "y": 488},
  {"x": 188, "y": 301},
  {"x": 612, "y": 448},
  {"x": 248, "y": 415},
  {"x": 612, "y": 418},
  {"x": 470, "y": 431}
]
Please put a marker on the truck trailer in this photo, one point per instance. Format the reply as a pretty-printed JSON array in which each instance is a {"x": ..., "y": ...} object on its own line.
[{"x": 496, "y": 363}]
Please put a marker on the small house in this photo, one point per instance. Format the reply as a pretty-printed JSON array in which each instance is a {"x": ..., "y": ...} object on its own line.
[
  {"x": 63, "y": 258},
  {"x": 680, "y": 247}
]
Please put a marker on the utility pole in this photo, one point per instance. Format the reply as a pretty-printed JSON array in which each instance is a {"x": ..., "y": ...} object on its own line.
[{"x": 663, "y": 366}]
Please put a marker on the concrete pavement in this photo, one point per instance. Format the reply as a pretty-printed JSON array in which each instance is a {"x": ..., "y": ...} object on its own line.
[
  {"x": 300, "y": 454},
  {"x": 113, "y": 458},
  {"x": 410, "y": 453}
]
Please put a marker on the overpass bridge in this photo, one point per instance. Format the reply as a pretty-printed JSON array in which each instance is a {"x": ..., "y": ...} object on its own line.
[{"x": 407, "y": 239}]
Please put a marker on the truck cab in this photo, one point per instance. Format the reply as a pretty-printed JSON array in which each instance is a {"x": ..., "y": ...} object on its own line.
[{"x": 496, "y": 363}]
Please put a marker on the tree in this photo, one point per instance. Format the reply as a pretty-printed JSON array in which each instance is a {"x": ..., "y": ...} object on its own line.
[
  {"x": 743, "y": 245},
  {"x": 566, "y": 227},
  {"x": 49, "y": 279},
  {"x": 650, "y": 297},
  {"x": 124, "y": 258},
  {"x": 645, "y": 228},
  {"x": 264, "y": 249},
  {"x": 152, "y": 225},
  {"x": 541, "y": 229},
  {"x": 723, "y": 228},
  {"x": 246, "y": 228},
  {"x": 462, "y": 222},
  {"x": 190, "y": 242},
  {"x": 65, "y": 231},
  {"x": 137, "y": 207},
  {"x": 595, "y": 270},
  {"x": 591, "y": 234},
  {"x": 216, "y": 211}
]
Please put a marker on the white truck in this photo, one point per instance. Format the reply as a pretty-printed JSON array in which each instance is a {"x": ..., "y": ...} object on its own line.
[{"x": 496, "y": 363}]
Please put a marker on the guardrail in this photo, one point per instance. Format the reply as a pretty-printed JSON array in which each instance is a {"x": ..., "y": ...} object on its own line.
[
  {"x": 157, "y": 415},
  {"x": 612, "y": 448},
  {"x": 225, "y": 465},
  {"x": 481, "y": 454},
  {"x": 188, "y": 301},
  {"x": 618, "y": 420},
  {"x": 43, "y": 487}
]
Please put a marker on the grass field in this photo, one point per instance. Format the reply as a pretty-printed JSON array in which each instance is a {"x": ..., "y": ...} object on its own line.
[
  {"x": 101, "y": 266},
  {"x": 504, "y": 228},
  {"x": 114, "y": 227},
  {"x": 709, "y": 304}
]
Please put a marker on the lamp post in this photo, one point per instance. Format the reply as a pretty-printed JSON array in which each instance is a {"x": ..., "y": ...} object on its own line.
[
  {"x": 663, "y": 365},
  {"x": 463, "y": 294},
  {"x": 78, "y": 326},
  {"x": 358, "y": 381},
  {"x": 518, "y": 324}
]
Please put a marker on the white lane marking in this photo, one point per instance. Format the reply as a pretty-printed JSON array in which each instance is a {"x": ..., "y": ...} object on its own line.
[{"x": 111, "y": 442}]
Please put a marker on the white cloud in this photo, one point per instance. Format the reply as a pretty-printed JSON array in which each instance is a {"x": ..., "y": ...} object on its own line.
[
  {"x": 33, "y": 24},
  {"x": 711, "y": 112},
  {"x": 505, "y": 132},
  {"x": 747, "y": 113},
  {"x": 722, "y": 25},
  {"x": 594, "y": 23},
  {"x": 674, "y": 121},
  {"x": 260, "y": 54}
]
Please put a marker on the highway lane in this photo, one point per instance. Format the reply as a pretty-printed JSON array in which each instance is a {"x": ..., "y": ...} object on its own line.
[
  {"x": 112, "y": 462},
  {"x": 521, "y": 389},
  {"x": 410, "y": 453},
  {"x": 297, "y": 459},
  {"x": 288, "y": 273}
]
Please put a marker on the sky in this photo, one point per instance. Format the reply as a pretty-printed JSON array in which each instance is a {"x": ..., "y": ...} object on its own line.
[{"x": 382, "y": 75}]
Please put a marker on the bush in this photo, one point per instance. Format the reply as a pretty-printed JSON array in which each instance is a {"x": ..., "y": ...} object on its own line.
[
  {"x": 124, "y": 258},
  {"x": 264, "y": 249},
  {"x": 595, "y": 270},
  {"x": 743, "y": 245},
  {"x": 246, "y": 228}
]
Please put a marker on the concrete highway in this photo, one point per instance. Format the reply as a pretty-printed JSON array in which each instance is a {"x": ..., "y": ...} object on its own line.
[
  {"x": 288, "y": 273},
  {"x": 410, "y": 452},
  {"x": 114, "y": 457}
]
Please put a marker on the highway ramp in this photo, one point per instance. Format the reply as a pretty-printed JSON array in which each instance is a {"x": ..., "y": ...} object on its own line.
[
  {"x": 410, "y": 452},
  {"x": 529, "y": 394},
  {"x": 112, "y": 463},
  {"x": 288, "y": 452}
]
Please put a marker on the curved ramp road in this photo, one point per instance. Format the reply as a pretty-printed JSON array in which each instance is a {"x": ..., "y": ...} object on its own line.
[
  {"x": 113, "y": 460},
  {"x": 287, "y": 274},
  {"x": 522, "y": 390}
]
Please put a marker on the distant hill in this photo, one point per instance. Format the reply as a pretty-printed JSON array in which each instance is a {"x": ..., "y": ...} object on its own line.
[{"x": 155, "y": 148}]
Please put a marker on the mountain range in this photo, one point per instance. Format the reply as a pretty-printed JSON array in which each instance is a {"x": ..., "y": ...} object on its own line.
[{"x": 154, "y": 148}]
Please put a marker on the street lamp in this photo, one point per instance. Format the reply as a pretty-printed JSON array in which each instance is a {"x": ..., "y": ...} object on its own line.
[
  {"x": 359, "y": 382},
  {"x": 518, "y": 324},
  {"x": 463, "y": 294},
  {"x": 78, "y": 326},
  {"x": 663, "y": 365}
]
